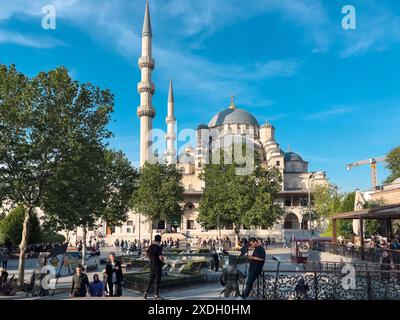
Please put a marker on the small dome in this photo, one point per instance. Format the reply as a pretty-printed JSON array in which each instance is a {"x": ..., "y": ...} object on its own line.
[
  {"x": 233, "y": 116},
  {"x": 291, "y": 156},
  {"x": 202, "y": 126}
]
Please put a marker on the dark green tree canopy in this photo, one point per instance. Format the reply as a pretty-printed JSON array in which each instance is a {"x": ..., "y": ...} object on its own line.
[
  {"x": 240, "y": 200},
  {"x": 159, "y": 192},
  {"x": 11, "y": 227},
  {"x": 45, "y": 122}
]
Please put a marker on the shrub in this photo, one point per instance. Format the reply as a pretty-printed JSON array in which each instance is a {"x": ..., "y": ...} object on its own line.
[{"x": 11, "y": 227}]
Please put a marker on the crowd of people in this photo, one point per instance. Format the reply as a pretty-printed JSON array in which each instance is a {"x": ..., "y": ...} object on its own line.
[{"x": 94, "y": 248}]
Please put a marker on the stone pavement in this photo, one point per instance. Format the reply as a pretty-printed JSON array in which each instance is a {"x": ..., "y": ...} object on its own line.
[{"x": 205, "y": 292}]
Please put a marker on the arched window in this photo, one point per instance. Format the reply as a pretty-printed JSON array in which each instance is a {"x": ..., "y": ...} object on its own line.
[
  {"x": 291, "y": 222},
  {"x": 189, "y": 206}
]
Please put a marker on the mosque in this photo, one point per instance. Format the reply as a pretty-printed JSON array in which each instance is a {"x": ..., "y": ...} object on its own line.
[{"x": 297, "y": 180}]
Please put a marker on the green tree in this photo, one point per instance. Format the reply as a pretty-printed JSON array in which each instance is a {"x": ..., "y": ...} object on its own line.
[
  {"x": 235, "y": 200},
  {"x": 76, "y": 191},
  {"x": 41, "y": 121},
  {"x": 393, "y": 164},
  {"x": 121, "y": 180},
  {"x": 374, "y": 226},
  {"x": 345, "y": 227},
  {"x": 326, "y": 201},
  {"x": 11, "y": 228},
  {"x": 158, "y": 193},
  {"x": 337, "y": 203}
]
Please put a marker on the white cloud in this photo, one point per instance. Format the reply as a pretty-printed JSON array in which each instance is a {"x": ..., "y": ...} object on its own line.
[
  {"x": 376, "y": 34},
  {"x": 29, "y": 40},
  {"x": 323, "y": 115}
]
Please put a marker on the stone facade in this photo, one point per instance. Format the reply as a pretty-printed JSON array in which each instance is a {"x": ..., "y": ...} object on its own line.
[{"x": 231, "y": 122}]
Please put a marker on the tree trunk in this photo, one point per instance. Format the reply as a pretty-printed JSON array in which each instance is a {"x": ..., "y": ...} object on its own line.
[
  {"x": 151, "y": 231},
  {"x": 83, "y": 245},
  {"x": 22, "y": 247},
  {"x": 68, "y": 237}
]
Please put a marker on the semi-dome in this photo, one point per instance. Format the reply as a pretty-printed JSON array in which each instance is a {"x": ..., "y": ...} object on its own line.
[
  {"x": 292, "y": 156},
  {"x": 233, "y": 116}
]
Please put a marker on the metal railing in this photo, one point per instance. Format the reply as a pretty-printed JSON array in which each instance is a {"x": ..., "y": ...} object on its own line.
[
  {"x": 368, "y": 254},
  {"x": 327, "y": 285}
]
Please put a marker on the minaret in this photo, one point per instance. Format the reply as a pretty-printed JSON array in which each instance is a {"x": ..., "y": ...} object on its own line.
[
  {"x": 146, "y": 89},
  {"x": 170, "y": 137}
]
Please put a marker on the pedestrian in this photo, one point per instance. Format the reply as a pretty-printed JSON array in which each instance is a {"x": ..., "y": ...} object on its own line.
[
  {"x": 80, "y": 246},
  {"x": 96, "y": 287},
  {"x": 5, "y": 259},
  {"x": 1, "y": 257},
  {"x": 154, "y": 252},
  {"x": 284, "y": 243},
  {"x": 114, "y": 276},
  {"x": 257, "y": 260},
  {"x": 80, "y": 283},
  {"x": 216, "y": 260}
]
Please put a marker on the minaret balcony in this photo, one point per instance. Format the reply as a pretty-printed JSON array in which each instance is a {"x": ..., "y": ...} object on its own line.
[
  {"x": 170, "y": 136},
  {"x": 146, "y": 62},
  {"x": 146, "y": 112},
  {"x": 146, "y": 87},
  {"x": 170, "y": 153},
  {"x": 170, "y": 120}
]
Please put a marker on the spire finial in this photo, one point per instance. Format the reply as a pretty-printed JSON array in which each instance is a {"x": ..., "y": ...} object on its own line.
[
  {"x": 232, "y": 105},
  {"x": 147, "y": 22},
  {"x": 171, "y": 92}
]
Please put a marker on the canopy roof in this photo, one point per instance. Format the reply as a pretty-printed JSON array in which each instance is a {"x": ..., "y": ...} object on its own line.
[{"x": 382, "y": 212}]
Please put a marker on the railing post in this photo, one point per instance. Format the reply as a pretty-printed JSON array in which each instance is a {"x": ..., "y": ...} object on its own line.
[
  {"x": 315, "y": 286},
  {"x": 369, "y": 284},
  {"x": 263, "y": 280}
]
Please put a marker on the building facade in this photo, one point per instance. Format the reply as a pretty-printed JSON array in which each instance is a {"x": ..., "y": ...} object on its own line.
[{"x": 231, "y": 122}]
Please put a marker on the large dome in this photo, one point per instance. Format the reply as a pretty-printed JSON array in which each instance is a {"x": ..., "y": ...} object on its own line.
[{"x": 233, "y": 116}]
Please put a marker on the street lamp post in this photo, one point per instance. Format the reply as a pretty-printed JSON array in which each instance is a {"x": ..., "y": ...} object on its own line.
[{"x": 310, "y": 176}]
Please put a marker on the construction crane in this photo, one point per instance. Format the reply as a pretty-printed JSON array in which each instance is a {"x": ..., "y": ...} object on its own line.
[{"x": 372, "y": 162}]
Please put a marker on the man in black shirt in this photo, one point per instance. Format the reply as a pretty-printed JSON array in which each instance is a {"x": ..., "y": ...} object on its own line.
[
  {"x": 80, "y": 283},
  {"x": 114, "y": 276},
  {"x": 256, "y": 265},
  {"x": 154, "y": 253}
]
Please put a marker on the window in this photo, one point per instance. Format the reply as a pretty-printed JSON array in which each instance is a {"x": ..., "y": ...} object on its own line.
[
  {"x": 296, "y": 201},
  {"x": 304, "y": 202},
  {"x": 189, "y": 206},
  {"x": 288, "y": 202},
  {"x": 278, "y": 163},
  {"x": 128, "y": 230},
  {"x": 129, "y": 223},
  {"x": 190, "y": 224},
  {"x": 161, "y": 225}
]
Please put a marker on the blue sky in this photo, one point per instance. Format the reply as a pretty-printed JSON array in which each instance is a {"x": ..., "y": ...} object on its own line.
[{"x": 332, "y": 94}]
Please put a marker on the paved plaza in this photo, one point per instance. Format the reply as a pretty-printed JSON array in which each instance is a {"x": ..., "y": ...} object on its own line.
[{"x": 200, "y": 292}]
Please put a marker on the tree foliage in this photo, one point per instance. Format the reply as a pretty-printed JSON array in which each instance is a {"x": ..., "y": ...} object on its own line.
[
  {"x": 11, "y": 227},
  {"x": 234, "y": 200},
  {"x": 43, "y": 121},
  {"x": 159, "y": 192},
  {"x": 393, "y": 164},
  {"x": 326, "y": 201}
]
